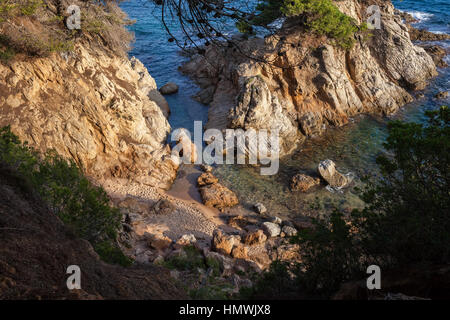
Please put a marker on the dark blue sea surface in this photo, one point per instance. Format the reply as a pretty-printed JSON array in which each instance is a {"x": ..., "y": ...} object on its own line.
[{"x": 353, "y": 147}]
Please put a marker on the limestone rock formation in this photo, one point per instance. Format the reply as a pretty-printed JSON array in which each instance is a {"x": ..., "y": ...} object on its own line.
[
  {"x": 93, "y": 107},
  {"x": 311, "y": 84}
]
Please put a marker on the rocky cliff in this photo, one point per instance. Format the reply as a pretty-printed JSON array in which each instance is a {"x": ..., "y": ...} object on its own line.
[
  {"x": 310, "y": 84},
  {"x": 91, "y": 104}
]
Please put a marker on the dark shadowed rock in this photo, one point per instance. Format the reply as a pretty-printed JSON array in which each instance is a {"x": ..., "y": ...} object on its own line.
[{"x": 163, "y": 206}]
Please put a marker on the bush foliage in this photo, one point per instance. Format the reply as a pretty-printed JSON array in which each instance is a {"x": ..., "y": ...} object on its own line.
[
  {"x": 102, "y": 23},
  {"x": 82, "y": 206},
  {"x": 405, "y": 222},
  {"x": 319, "y": 16}
]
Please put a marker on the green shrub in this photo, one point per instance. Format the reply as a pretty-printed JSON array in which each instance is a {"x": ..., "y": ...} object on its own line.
[
  {"x": 12, "y": 8},
  {"x": 6, "y": 55},
  {"x": 82, "y": 206},
  {"x": 276, "y": 283},
  {"x": 219, "y": 291},
  {"x": 110, "y": 253},
  {"x": 191, "y": 261},
  {"x": 6, "y": 9},
  {"x": 319, "y": 16},
  {"x": 215, "y": 265},
  {"x": 29, "y": 7}
]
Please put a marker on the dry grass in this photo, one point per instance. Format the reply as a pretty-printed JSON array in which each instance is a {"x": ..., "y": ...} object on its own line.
[{"x": 37, "y": 27}]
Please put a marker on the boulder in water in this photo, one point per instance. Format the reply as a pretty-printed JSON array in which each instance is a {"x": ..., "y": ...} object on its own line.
[
  {"x": 169, "y": 88},
  {"x": 442, "y": 95},
  {"x": 335, "y": 179},
  {"x": 302, "y": 182}
]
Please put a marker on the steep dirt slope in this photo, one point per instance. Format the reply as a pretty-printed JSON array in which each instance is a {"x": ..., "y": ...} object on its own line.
[{"x": 36, "y": 249}]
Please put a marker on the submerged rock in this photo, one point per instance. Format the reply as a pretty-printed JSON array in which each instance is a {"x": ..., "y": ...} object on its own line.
[
  {"x": 206, "y": 178},
  {"x": 302, "y": 182},
  {"x": 441, "y": 95},
  {"x": 169, "y": 88},
  {"x": 335, "y": 179}
]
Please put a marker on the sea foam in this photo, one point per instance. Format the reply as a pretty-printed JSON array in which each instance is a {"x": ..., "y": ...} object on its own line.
[{"x": 421, "y": 16}]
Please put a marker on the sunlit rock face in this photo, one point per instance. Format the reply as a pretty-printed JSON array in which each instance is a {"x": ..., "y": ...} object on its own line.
[
  {"x": 311, "y": 84},
  {"x": 93, "y": 107}
]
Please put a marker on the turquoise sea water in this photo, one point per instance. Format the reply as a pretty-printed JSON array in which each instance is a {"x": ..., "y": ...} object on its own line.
[{"x": 353, "y": 147}]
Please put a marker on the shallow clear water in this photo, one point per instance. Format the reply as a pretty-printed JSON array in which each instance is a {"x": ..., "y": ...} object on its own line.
[{"x": 353, "y": 147}]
